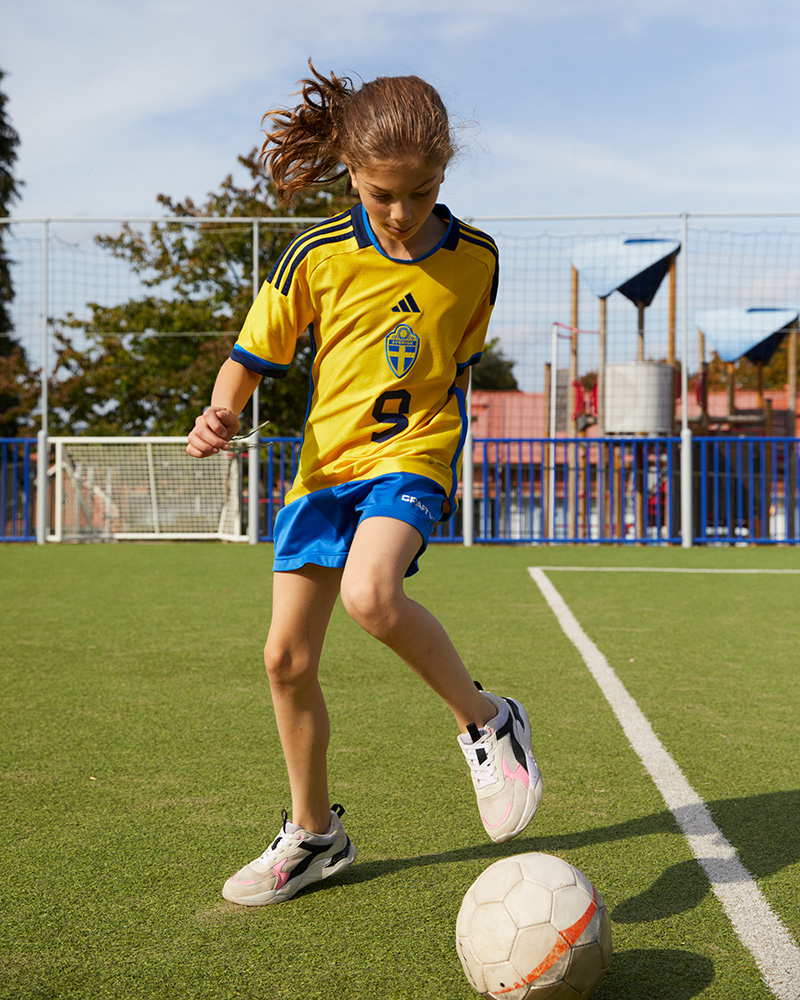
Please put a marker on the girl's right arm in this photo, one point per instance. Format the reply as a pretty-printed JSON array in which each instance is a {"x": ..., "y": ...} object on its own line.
[{"x": 217, "y": 424}]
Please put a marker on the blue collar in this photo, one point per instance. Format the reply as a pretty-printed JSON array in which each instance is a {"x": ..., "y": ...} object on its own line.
[{"x": 442, "y": 211}]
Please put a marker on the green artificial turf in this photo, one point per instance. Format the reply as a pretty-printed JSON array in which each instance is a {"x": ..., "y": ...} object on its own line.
[{"x": 140, "y": 767}]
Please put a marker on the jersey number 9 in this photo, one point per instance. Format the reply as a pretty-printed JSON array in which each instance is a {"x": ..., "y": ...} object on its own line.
[{"x": 384, "y": 412}]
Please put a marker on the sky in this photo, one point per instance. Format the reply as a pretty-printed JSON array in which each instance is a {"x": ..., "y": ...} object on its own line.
[{"x": 561, "y": 107}]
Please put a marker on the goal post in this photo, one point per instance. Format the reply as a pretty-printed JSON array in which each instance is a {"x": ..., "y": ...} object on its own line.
[{"x": 143, "y": 488}]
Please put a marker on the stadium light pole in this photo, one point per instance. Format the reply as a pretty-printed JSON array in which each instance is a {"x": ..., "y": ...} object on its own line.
[
  {"x": 687, "y": 526},
  {"x": 43, "y": 448}
]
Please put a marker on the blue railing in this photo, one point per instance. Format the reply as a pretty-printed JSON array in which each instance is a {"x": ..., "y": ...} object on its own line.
[
  {"x": 574, "y": 490},
  {"x": 17, "y": 490},
  {"x": 744, "y": 490},
  {"x": 279, "y": 460},
  {"x": 620, "y": 490}
]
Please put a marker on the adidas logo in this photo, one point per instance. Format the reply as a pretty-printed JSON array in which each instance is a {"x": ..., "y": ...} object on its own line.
[{"x": 406, "y": 305}]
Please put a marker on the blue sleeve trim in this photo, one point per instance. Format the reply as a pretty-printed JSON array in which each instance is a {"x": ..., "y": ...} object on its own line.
[
  {"x": 460, "y": 369},
  {"x": 258, "y": 365}
]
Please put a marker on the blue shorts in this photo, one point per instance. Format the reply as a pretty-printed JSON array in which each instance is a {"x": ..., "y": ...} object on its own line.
[{"x": 319, "y": 527}]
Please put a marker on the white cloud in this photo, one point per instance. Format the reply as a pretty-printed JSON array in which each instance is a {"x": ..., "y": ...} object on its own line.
[
  {"x": 552, "y": 173},
  {"x": 115, "y": 102}
]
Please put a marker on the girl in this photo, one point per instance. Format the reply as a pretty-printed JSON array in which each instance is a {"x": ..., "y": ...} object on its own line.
[{"x": 396, "y": 294}]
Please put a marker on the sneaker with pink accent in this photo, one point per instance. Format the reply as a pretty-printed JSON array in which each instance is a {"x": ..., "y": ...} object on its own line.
[
  {"x": 506, "y": 778},
  {"x": 295, "y": 859}
]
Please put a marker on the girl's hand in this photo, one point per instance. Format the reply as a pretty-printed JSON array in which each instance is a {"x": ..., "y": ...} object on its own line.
[{"x": 212, "y": 431}]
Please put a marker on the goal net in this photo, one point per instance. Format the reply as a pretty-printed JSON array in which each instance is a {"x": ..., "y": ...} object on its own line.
[{"x": 143, "y": 488}]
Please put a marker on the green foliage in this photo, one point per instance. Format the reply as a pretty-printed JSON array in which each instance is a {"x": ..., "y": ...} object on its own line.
[
  {"x": 494, "y": 370},
  {"x": 9, "y": 140},
  {"x": 148, "y": 365},
  {"x": 775, "y": 373},
  {"x": 17, "y": 392}
]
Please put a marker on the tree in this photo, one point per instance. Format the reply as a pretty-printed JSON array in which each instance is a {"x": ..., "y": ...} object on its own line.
[
  {"x": 494, "y": 370},
  {"x": 143, "y": 366},
  {"x": 148, "y": 365},
  {"x": 17, "y": 392},
  {"x": 775, "y": 374}
]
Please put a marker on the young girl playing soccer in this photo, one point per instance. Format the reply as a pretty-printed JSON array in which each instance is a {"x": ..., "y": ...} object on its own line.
[{"x": 396, "y": 295}]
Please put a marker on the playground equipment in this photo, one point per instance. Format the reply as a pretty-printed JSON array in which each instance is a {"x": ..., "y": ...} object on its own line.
[
  {"x": 634, "y": 267},
  {"x": 640, "y": 398},
  {"x": 635, "y": 398},
  {"x": 754, "y": 334}
]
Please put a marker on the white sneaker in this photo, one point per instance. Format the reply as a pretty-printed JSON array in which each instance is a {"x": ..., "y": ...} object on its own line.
[
  {"x": 506, "y": 778},
  {"x": 293, "y": 860}
]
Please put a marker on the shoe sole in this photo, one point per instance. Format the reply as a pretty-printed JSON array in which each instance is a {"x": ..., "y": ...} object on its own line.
[{"x": 292, "y": 887}]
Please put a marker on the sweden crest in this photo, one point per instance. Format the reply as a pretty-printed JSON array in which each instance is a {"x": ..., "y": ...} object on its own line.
[{"x": 402, "y": 348}]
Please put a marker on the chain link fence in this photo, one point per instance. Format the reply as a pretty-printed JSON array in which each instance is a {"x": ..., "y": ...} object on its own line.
[{"x": 616, "y": 325}]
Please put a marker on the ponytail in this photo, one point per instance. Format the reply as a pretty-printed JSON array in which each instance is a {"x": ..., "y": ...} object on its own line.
[{"x": 387, "y": 120}]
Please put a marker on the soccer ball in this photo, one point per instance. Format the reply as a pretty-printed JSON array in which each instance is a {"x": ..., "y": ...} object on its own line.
[{"x": 533, "y": 927}]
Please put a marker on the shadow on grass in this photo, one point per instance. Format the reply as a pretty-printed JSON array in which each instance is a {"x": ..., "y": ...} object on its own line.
[
  {"x": 679, "y": 889},
  {"x": 366, "y": 871},
  {"x": 762, "y": 829},
  {"x": 656, "y": 974}
]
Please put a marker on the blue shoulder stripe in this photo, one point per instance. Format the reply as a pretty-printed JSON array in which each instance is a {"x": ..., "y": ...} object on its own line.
[
  {"x": 478, "y": 235},
  {"x": 481, "y": 239},
  {"x": 333, "y": 231}
]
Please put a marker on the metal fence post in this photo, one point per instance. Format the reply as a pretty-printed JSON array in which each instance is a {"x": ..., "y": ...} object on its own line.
[
  {"x": 43, "y": 449},
  {"x": 687, "y": 514},
  {"x": 254, "y": 451}
]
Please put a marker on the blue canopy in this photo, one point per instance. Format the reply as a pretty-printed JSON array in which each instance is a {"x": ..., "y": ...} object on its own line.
[
  {"x": 754, "y": 334},
  {"x": 634, "y": 267}
]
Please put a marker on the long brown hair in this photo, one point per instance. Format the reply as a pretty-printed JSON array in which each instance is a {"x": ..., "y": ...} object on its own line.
[{"x": 386, "y": 120}]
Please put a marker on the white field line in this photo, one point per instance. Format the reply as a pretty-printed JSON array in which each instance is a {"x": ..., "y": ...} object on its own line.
[
  {"x": 667, "y": 569},
  {"x": 754, "y": 921}
]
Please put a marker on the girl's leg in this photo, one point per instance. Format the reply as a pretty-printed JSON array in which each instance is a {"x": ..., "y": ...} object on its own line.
[
  {"x": 302, "y": 603},
  {"x": 373, "y": 595},
  {"x": 504, "y": 772}
]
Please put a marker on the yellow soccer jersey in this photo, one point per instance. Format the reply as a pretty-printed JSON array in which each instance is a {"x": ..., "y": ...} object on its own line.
[{"x": 389, "y": 338}]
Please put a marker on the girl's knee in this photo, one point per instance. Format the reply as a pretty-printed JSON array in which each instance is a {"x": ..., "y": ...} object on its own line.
[
  {"x": 285, "y": 665},
  {"x": 370, "y": 605}
]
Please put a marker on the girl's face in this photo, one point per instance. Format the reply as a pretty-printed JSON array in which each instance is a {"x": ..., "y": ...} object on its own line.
[{"x": 398, "y": 199}]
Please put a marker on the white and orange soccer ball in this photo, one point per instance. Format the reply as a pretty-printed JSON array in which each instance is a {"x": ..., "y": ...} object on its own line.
[{"x": 533, "y": 927}]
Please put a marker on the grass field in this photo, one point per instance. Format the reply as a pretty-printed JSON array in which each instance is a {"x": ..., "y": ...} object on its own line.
[{"x": 141, "y": 766}]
